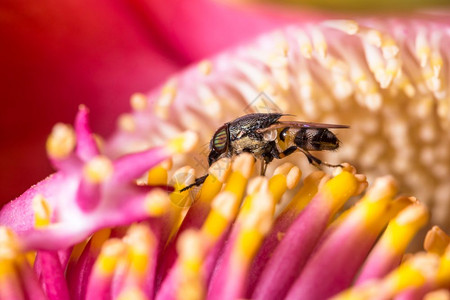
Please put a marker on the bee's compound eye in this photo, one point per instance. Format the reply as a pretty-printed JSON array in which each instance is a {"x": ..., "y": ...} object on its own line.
[{"x": 220, "y": 139}]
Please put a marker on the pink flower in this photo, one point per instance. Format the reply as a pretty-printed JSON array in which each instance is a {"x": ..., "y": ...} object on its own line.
[{"x": 98, "y": 229}]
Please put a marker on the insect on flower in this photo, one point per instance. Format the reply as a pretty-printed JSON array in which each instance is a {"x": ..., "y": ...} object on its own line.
[{"x": 266, "y": 137}]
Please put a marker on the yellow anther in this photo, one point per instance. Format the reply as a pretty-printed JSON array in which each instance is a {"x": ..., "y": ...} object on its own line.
[
  {"x": 183, "y": 143},
  {"x": 165, "y": 100},
  {"x": 402, "y": 229},
  {"x": 205, "y": 67},
  {"x": 224, "y": 209},
  {"x": 138, "y": 101},
  {"x": 436, "y": 241},
  {"x": 42, "y": 211},
  {"x": 126, "y": 122},
  {"x": 141, "y": 242},
  {"x": 61, "y": 141},
  {"x": 306, "y": 193},
  {"x": 158, "y": 175},
  {"x": 134, "y": 293},
  {"x": 320, "y": 45},
  {"x": 422, "y": 48},
  {"x": 348, "y": 26},
  {"x": 107, "y": 260},
  {"x": 98, "y": 169},
  {"x": 157, "y": 202}
]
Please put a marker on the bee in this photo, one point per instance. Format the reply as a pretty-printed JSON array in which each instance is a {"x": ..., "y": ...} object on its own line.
[{"x": 266, "y": 138}]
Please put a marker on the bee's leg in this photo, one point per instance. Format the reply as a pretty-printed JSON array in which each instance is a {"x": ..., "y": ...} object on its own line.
[
  {"x": 270, "y": 153},
  {"x": 316, "y": 161},
  {"x": 263, "y": 167},
  {"x": 198, "y": 181},
  {"x": 289, "y": 151}
]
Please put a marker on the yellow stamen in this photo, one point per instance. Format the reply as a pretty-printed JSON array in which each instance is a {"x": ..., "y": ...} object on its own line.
[
  {"x": 138, "y": 101},
  {"x": 422, "y": 48},
  {"x": 183, "y": 143},
  {"x": 141, "y": 242},
  {"x": 436, "y": 241},
  {"x": 205, "y": 67},
  {"x": 254, "y": 222},
  {"x": 42, "y": 211},
  {"x": 338, "y": 189},
  {"x": 98, "y": 169},
  {"x": 182, "y": 177},
  {"x": 157, "y": 203},
  {"x": 285, "y": 177},
  {"x": 319, "y": 42},
  {"x": 218, "y": 173},
  {"x": 126, "y": 122},
  {"x": 402, "y": 229},
  {"x": 165, "y": 100},
  {"x": 191, "y": 256},
  {"x": 224, "y": 209},
  {"x": 107, "y": 260},
  {"x": 443, "y": 274},
  {"x": 242, "y": 168},
  {"x": 158, "y": 175},
  {"x": 61, "y": 141},
  {"x": 306, "y": 193},
  {"x": 412, "y": 273},
  {"x": 132, "y": 293},
  {"x": 348, "y": 26},
  {"x": 442, "y": 294}
]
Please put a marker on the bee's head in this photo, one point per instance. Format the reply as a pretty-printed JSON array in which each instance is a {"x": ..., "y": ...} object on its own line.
[{"x": 219, "y": 144}]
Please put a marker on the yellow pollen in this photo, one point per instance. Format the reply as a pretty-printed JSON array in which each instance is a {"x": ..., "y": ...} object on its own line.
[
  {"x": 42, "y": 211},
  {"x": 319, "y": 43},
  {"x": 126, "y": 123},
  {"x": 348, "y": 26},
  {"x": 422, "y": 48},
  {"x": 441, "y": 294},
  {"x": 61, "y": 141},
  {"x": 436, "y": 241},
  {"x": 205, "y": 67},
  {"x": 138, "y": 101},
  {"x": 98, "y": 169},
  {"x": 134, "y": 293},
  {"x": 402, "y": 229},
  {"x": 165, "y": 100},
  {"x": 158, "y": 175},
  {"x": 157, "y": 202},
  {"x": 107, "y": 260},
  {"x": 183, "y": 143}
]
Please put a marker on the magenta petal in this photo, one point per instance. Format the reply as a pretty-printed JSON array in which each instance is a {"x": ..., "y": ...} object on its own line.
[
  {"x": 52, "y": 275},
  {"x": 31, "y": 285},
  {"x": 86, "y": 147},
  {"x": 9, "y": 214},
  {"x": 131, "y": 166},
  {"x": 67, "y": 53},
  {"x": 292, "y": 252}
]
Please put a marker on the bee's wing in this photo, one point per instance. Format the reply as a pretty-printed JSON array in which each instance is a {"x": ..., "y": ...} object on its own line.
[{"x": 299, "y": 124}]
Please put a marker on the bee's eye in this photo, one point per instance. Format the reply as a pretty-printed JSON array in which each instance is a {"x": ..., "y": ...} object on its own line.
[{"x": 220, "y": 139}]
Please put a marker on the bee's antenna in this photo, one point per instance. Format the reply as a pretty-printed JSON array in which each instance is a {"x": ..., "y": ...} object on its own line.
[{"x": 197, "y": 182}]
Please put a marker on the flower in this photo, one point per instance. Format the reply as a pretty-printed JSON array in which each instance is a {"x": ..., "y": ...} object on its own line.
[
  {"x": 231, "y": 243},
  {"x": 58, "y": 55},
  {"x": 386, "y": 78}
]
